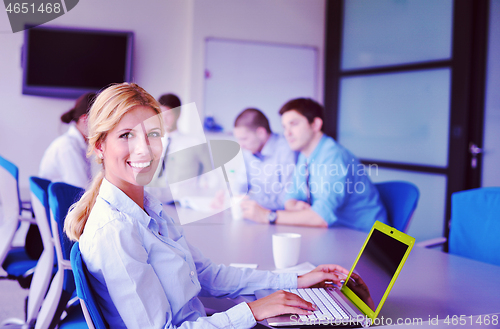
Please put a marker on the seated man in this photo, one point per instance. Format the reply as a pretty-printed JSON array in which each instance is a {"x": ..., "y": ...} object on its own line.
[
  {"x": 330, "y": 186},
  {"x": 183, "y": 156},
  {"x": 269, "y": 161}
]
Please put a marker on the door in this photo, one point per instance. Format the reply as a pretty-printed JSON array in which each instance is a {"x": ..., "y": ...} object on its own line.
[{"x": 403, "y": 93}]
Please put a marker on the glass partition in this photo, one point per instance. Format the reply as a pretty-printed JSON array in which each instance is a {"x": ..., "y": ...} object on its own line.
[{"x": 390, "y": 32}]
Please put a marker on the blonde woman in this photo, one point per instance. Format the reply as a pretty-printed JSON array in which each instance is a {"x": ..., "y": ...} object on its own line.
[{"x": 145, "y": 273}]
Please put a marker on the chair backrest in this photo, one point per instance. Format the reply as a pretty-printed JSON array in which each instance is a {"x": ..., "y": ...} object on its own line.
[
  {"x": 45, "y": 266},
  {"x": 475, "y": 224},
  {"x": 9, "y": 198},
  {"x": 91, "y": 310},
  {"x": 39, "y": 188},
  {"x": 400, "y": 200},
  {"x": 61, "y": 197},
  {"x": 9, "y": 188}
]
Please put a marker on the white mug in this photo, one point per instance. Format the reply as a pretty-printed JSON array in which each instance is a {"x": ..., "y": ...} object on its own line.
[
  {"x": 236, "y": 210},
  {"x": 286, "y": 249}
]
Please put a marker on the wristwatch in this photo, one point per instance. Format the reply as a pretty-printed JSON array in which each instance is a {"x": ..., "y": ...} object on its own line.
[{"x": 272, "y": 217}]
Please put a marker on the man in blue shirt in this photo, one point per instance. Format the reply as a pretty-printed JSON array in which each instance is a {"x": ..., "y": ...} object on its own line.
[
  {"x": 269, "y": 161},
  {"x": 330, "y": 186}
]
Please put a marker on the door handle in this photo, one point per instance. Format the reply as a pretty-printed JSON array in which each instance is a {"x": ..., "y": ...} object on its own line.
[{"x": 474, "y": 150}]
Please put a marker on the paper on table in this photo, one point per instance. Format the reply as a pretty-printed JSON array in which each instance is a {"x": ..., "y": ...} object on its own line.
[
  {"x": 201, "y": 203},
  {"x": 300, "y": 269},
  {"x": 254, "y": 266},
  {"x": 196, "y": 203}
]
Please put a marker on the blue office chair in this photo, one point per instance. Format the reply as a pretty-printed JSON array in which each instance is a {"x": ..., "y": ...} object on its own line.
[
  {"x": 400, "y": 200},
  {"x": 11, "y": 170},
  {"x": 18, "y": 264},
  {"x": 62, "y": 287},
  {"x": 46, "y": 266},
  {"x": 475, "y": 224},
  {"x": 91, "y": 310}
]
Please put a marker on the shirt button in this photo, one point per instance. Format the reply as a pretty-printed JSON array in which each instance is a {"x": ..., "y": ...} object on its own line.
[{"x": 192, "y": 273}]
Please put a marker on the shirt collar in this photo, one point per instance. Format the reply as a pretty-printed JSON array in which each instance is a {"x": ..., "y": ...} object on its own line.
[
  {"x": 317, "y": 150},
  {"x": 119, "y": 200},
  {"x": 74, "y": 132},
  {"x": 152, "y": 204},
  {"x": 269, "y": 148}
]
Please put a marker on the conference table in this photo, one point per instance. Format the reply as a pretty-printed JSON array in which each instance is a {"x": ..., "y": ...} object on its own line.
[{"x": 434, "y": 289}]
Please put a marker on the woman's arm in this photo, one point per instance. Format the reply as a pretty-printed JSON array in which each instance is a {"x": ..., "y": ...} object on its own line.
[
  {"x": 282, "y": 302},
  {"x": 225, "y": 281},
  {"x": 118, "y": 259},
  {"x": 218, "y": 280}
]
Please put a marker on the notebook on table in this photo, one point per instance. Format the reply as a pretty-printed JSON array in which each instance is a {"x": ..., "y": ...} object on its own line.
[{"x": 364, "y": 291}]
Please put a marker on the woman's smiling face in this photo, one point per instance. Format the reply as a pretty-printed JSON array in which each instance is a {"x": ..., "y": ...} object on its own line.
[{"x": 132, "y": 150}]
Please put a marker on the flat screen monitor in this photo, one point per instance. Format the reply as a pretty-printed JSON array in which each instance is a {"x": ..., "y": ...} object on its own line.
[{"x": 68, "y": 62}]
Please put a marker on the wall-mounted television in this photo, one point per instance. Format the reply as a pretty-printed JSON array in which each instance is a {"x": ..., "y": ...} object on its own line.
[{"x": 68, "y": 62}]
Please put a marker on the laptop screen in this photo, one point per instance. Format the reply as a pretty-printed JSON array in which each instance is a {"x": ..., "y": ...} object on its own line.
[{"x": 376, "y": 267}]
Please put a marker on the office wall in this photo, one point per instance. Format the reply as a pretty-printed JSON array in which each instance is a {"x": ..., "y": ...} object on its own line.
[
  {"x": 491, "y": 146},
  {"x": 29, "y": 123},
  {"x": 294, "y": 22},
  {"x": 169, "y": 56}
]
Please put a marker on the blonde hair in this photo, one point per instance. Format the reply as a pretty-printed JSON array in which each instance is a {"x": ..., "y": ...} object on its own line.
[{"x": 105, "y": 114}]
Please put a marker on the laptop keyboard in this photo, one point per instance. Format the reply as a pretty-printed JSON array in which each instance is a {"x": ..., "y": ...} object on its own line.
[{"x": 328, "y": 306}]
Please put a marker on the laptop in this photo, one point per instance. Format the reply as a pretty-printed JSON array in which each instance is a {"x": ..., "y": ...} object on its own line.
[{"x": 364, "y": 291}]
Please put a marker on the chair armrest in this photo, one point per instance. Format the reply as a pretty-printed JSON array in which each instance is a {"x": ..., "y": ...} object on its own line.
[
  {"x": 27, "y": 212},
  {"x": 431, "y": 243},
  {"x": 15, "y": 323},
  {"x": 27, "y": 219},
  {"x": 73, "y": 302},
  {"x": 26, "y": 206},
  {"x": 64, "y": 264}
]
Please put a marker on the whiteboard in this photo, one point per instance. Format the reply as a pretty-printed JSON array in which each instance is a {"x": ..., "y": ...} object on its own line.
[{"x": 242, "y": 74}]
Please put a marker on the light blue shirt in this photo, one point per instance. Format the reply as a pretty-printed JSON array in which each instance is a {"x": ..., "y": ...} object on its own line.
[
  {"x": 146, "y": 275},
  {"x": 341, "y": 191},
  {"x": 269, "y": 171}
]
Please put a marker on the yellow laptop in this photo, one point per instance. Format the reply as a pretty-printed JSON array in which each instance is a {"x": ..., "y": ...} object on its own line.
[{"x": 362, "y": 295}]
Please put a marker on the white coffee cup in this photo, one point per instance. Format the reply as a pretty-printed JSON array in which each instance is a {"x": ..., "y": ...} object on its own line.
[
  {"x": 236, "y": 210},
  {"x": 286, "y": 249}
]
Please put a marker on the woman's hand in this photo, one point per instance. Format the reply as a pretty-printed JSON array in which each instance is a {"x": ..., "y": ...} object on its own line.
[
  {"x": 280, "y": 302},
  {"x": 322, "y": 276}
]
